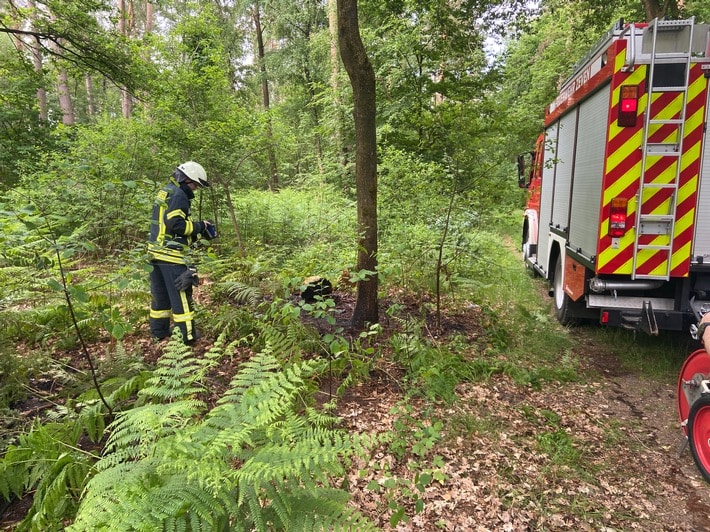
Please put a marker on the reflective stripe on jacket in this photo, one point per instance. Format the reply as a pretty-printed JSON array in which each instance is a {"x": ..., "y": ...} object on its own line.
[{"x": 172, "y": 229}]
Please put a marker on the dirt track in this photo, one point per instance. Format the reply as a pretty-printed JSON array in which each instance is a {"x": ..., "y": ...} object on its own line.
[{"x": 623, "y": 471}]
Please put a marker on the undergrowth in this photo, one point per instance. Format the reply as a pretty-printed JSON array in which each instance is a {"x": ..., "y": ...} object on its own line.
[{"x": 263, "y": 458}]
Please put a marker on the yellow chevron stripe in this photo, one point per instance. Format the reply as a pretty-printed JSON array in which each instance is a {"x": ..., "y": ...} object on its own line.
[
  {"x": 691, "y": 154},
  {"x": 608, "y": 254},
  {"x": 631, "y": 145},
  {"x": 680, "y": 256},
  {"x": 643, "y": 256},
  {"x": 696, "y": 87}
]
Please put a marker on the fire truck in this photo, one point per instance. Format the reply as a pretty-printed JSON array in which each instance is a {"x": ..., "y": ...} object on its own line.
[{"x": 618, "y": 211}]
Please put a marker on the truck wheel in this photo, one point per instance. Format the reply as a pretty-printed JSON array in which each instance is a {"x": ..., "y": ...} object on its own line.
[
  {"x": 699, "y": 434},
  {"x": 563, "y": 304}
]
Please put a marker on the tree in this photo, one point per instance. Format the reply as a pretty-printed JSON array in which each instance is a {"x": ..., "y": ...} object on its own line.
[
  {"x": 258, "y": 30},
  {"x": 660, "y": 9},
  {"x": 362, "y": 79},
  {"x": 70, "y": 32}
]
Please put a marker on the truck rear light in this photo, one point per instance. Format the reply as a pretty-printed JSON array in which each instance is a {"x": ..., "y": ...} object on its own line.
[
  {"x": 628, "y": 106},
  {"x": 617, "y": 217}
]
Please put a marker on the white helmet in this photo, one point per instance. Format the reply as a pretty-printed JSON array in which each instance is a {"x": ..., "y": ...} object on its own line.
[{"x": 194, "y": 172}]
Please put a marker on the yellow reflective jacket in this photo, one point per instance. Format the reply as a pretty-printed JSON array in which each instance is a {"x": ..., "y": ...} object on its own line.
[{"x": 172, "y": 229}]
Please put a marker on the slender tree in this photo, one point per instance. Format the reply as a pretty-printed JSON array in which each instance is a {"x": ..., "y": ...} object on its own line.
[
  {"x": 335, "y": 74},
  {"x": 273, "y": 169},
  {"x": 362, "y": 79},
  {"x": 41, "y": 91},
  {"x": 126, "y": 21},
  {"x": 64, "y": 95}
]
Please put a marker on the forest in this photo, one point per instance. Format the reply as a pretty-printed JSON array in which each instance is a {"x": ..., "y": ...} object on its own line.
[{"x": 371, "y": 144}]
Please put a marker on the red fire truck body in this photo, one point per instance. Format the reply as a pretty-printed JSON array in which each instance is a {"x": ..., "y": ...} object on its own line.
[{"x": 618, "y": 216}]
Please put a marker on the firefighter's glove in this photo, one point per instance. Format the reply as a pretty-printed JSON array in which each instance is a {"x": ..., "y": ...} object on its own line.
[
  {"x": 210, "y": 231},
  {"x": 187, "y": 279}
]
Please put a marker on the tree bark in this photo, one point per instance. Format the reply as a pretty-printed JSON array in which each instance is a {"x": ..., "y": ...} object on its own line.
[
  {"x": 64, "y": 96},
  {"x": 37, "y": 63},
  {"x": 334, "y": 78},
  {"x": 126, "y": 20},
  {"x": 41, "y": 91},
  {"x": 660, "y": 9},
  {"x": 90, "y": 104},
  {"x": 148, "y": 18},
  {"x": 362, "y": 79},
  {"x": 273, "y": 168}
]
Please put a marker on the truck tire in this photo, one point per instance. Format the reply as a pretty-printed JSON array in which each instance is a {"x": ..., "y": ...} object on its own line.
[{"x": 563, "y": 304}]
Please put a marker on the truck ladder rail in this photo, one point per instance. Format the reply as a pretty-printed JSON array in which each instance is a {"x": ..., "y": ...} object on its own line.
[{"x": 662, "y": 224}]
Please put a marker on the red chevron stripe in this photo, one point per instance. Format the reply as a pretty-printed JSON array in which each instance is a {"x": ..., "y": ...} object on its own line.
[
  {"x": 620, "y": 258},
  {"x": 622, "y": 136},
  {"x": 656, "y": 260},
  {"x": 660, "y": 102},
  {"x": 656, "y": 169},
  {"x": 683, "y": 238},
  {"x": 619, "y": 48},
  {"x": 622, "y": 170}
]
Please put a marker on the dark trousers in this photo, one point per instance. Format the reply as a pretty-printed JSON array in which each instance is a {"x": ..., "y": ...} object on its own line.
[{"x": 168, "y": 303}]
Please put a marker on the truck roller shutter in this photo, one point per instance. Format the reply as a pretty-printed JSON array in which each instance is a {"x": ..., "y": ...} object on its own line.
[{"x": 589, "y": 173}]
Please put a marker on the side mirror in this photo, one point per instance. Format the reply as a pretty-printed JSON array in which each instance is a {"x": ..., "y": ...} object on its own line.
[{"x": 521, "y": 172}]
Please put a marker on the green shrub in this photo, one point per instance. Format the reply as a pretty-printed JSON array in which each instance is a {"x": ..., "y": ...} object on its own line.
[{"x": 261, "y": 459}]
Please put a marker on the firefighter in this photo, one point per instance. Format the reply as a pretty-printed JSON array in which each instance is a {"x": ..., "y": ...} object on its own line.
[
  {"x": 704, "y": 331},
  {"x": 172, "y": 231}
]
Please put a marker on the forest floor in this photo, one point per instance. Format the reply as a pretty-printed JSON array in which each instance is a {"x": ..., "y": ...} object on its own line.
[
  {"x": 622, "y": 469},
  {"x": 601, "y": 453}
]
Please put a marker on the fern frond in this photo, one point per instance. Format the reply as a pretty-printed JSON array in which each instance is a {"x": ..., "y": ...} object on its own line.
[
  {"x": 136, "y": 496},
  {"x": 316, "y": 457},
  {"x": 177, "y": 374},
  {"x": 241, "y": 293},
  {"x": 248, "y": 464},
  {"x": 326, "y": 509},
  {"x": 134, "y": 432},
  {"x": 48, "y": 461},
  {"x": 251, "y": 372}
]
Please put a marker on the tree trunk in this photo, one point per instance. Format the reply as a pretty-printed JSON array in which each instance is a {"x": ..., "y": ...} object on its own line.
[
  {"x": 64, "y": 96},
  {"x": 90, "y": 104},
  {"x": 148, "y": 18},
  {"x": 362, "y": 79},
  {"x": 41, "y": 91},
  {"x": 38, "y": 66},
  {"x": 660, "y": 9},
  {"x": 273, "y": 169},
  {"x": 126, "y": 21},
  {"x": 334, "y": 77}
]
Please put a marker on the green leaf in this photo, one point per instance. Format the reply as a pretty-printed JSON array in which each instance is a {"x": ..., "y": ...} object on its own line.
[
  {"x": 423, "y": 480},
  {"x": 397, "y": 516},
  {"x": 373, "y": 485},
  {"x": 55, "y": 285},
  {"x": 118, "y": 331},
  {"x": 78, "y": 293}
]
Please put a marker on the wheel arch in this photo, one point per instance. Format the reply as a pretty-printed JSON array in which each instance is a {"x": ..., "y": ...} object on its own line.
[
  {"x": 555, "y": 253},
  {"x": 530, "y": 227}
]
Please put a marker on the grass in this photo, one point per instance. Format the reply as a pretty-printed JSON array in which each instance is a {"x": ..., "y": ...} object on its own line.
[{"x": 657, "y": 357}]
